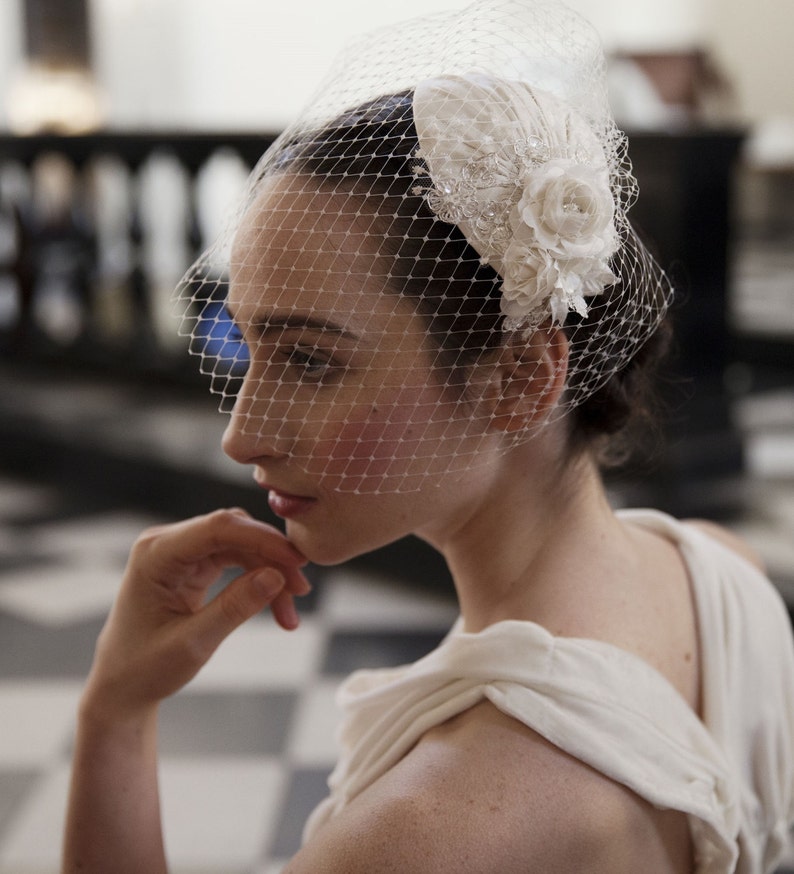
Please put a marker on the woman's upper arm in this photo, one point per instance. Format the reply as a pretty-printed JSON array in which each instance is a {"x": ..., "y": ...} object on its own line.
[{"x": 484, "y": 793}]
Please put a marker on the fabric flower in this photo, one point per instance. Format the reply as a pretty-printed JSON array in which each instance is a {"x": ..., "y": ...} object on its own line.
[
  {"x": 528, "y": 280},
  {"x": 525, "y": 178},
  {"x": 568, "y": 208}
]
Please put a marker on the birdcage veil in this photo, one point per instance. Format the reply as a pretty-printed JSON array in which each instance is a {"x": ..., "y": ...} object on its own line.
[{"x": 457, "y": 186}]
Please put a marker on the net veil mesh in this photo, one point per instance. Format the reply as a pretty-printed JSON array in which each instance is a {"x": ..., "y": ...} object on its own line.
[{"x": 436, "y": 245}]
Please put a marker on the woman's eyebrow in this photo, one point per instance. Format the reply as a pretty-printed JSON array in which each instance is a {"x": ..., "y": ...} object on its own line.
[{"x": 267, "y": 321}]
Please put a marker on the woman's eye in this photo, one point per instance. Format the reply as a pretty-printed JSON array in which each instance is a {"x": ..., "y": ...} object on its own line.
[{"x": 312, "y": 366}]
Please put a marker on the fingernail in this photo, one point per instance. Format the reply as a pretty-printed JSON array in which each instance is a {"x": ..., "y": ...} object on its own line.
[
  {"x": 290, "y": 616},
  {"x": 269, "y": 579}
]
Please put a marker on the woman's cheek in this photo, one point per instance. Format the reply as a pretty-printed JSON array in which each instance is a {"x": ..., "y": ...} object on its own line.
[{"x": 375, "y": 443}]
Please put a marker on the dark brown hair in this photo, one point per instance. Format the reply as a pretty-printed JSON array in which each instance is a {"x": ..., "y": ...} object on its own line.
[{"x": 370, "y": 152}]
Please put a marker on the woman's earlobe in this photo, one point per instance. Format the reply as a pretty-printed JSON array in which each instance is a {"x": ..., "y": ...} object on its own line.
[{"x": 532, "y": 373}]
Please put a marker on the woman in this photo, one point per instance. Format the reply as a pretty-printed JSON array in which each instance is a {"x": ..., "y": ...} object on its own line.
[{"x": 444, "y": 317}]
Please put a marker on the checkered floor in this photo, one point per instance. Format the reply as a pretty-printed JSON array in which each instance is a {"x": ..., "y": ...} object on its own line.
[{"x": 248, "y": 745}]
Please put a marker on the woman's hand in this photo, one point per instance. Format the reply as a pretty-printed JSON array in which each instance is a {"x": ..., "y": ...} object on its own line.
[{"x": 162, "y": 630}]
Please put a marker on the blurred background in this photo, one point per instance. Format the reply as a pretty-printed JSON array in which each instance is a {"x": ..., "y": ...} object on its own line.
[{"x": 127, "y": 128}]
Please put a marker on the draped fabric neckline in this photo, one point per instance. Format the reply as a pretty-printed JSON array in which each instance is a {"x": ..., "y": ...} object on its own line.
[{"x": 611, "y": 709}]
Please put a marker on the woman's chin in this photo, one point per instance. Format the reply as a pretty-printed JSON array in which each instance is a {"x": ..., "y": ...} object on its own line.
[
  {"x": 328, "y": 548},
  {"x": 321, "y": 551}
]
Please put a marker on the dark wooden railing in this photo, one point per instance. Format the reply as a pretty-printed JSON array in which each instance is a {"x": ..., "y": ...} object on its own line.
[{"x": 38, "y": 237}]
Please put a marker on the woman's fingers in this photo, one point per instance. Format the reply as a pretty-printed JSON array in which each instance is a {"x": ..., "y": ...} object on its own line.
[
  {"x": 283, "y": 610},
  {"x": 225, "y": 530},
  {"x": 185, "y": 558},
  {"x": 188, "y": 556},
  {"x": 243, "y": 598}
]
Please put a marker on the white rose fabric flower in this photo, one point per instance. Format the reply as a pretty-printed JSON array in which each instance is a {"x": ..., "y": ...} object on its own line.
[
  {"x": 569, "y": 209},
  {"x": 525, "y": 179},
  {"x": 526, "y": 284}
]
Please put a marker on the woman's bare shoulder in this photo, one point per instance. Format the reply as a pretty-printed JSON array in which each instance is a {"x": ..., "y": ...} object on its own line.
[{"x": 484, "y": 793}]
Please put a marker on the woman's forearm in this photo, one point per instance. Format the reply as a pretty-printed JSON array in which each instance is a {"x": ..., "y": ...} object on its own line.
[
  {"x": 113, "y": 817},
  {"x": 158, "y": 636}
]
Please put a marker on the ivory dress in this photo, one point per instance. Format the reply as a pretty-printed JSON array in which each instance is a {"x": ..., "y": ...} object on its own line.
[{"x": 732, "y": 772}]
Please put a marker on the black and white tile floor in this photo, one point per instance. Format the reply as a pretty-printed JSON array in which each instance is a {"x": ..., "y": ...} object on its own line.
[{"x": 247, "y": 746}]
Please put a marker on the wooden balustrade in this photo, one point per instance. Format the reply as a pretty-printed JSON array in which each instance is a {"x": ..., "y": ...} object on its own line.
[{"x": 52, "y": 239}]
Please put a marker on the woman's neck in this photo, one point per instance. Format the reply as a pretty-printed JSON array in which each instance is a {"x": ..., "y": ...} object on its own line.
[{"x": 531, "y": 544}]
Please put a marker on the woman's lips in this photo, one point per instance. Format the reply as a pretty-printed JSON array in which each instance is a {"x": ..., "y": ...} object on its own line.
[{"x": 286, "y": 505}]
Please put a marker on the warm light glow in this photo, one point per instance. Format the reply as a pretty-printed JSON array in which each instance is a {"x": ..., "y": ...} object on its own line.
[{"x": 64, "y": 101}]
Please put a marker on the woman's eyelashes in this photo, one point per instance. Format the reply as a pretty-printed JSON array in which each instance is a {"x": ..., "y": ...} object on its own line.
[
  {"x": 309, "y": 364},
  {"x": 295, "y": 359}
]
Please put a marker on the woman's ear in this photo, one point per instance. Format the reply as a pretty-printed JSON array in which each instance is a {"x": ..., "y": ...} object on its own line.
[{"x": 532, "y": 373}]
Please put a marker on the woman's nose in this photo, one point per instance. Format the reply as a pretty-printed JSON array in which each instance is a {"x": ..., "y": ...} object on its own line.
[
  {"x": 258, "y": 428},
  {"x": 240, "y": 440}
]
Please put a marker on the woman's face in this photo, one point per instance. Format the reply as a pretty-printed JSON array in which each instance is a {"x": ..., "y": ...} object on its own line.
[{"x": 342, "y": 412}]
